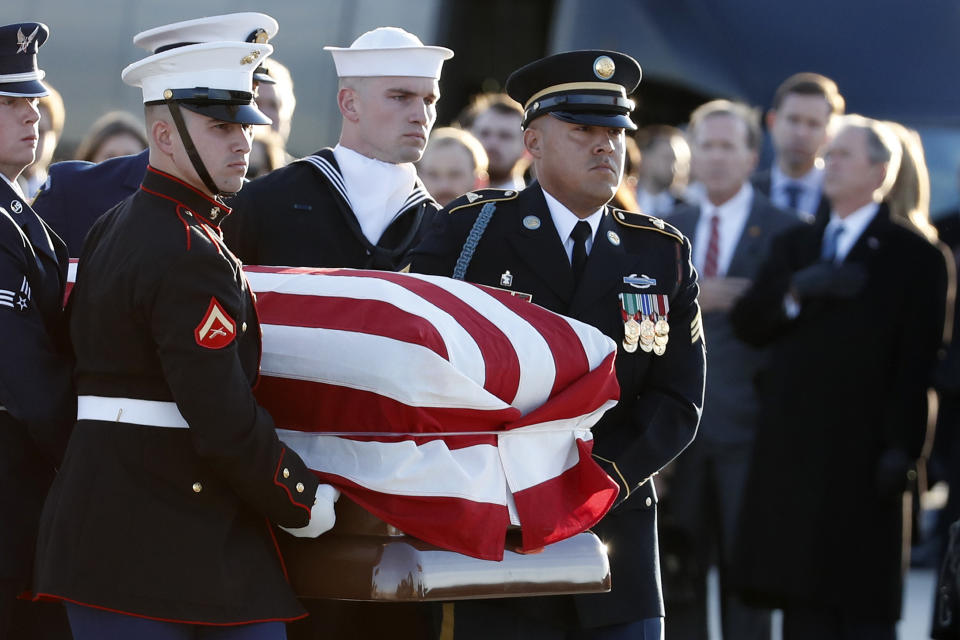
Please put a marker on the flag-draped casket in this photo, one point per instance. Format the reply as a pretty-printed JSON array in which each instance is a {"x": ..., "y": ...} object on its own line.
[{"x": 447, "y": 409}]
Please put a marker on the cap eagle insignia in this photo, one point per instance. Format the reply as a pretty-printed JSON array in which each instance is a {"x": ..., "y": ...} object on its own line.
[{"x": 24, "y": 41}]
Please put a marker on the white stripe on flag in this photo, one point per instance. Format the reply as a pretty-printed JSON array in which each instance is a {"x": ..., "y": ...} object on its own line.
[
  {"x": 404, "y": 468},
  {"x": 462, "y": 349},
  {"x": 405, "y": 372}
]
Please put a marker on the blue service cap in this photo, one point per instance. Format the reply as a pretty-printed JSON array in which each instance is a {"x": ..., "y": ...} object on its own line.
[
  {"x": 584, "y": 87},
  {"x": 19, "y": 75}
]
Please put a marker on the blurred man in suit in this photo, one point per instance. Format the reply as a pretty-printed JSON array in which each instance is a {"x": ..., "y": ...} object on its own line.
[
  {"x": 853, "y": 309},
  {"x": 731, "y": 233},
  {"x": 799, "y": 123}
]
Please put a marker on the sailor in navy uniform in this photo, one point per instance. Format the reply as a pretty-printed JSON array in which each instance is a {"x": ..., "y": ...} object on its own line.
[
  {"x": 77, "y": 192},
  {"x": 37, "y": 403},
  {"x": 559, "y": 242},
  {"x": 160, "y": 522},
  {"x": 361, "y": 203}
]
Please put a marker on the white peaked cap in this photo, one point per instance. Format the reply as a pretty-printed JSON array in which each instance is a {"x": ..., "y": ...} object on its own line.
[
  {"x": 213, "y": 65},
  {"x": 231, "y": 27},
  {"x": 389, "y": 51}
]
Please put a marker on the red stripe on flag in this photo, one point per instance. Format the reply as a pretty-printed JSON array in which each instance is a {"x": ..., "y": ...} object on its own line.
[
  {"x": 475, "y": 529},
  {"x": 374, "y": 317},
  {"x": 565, "y": 505},
  {"x": 502, "y": 377},
  {"x": 302, "y": 405}
]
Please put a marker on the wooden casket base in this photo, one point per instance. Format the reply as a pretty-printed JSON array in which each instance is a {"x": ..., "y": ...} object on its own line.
[{"x": 364, "y": 558}]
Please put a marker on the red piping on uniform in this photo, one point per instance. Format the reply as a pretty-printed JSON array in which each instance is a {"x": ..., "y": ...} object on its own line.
[
  {"x": 186, "y": 227},
  {"x": 256, "y": 314},
  {"x": 213, "y": 240},
  {"x": 283, "y": 451},
  {"x": 50, "y": 596},
  {"x": 225, "y": 208},
  {"x": 283, "y": 565}
]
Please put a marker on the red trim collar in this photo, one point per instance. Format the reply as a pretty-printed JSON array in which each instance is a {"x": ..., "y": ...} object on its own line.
[{"x": 209, "y": 210}]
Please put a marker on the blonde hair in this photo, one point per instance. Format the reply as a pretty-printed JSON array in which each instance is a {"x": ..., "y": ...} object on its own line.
[
  {"x": 909, "y": 197},
  {"x": 452, "y": 136}
]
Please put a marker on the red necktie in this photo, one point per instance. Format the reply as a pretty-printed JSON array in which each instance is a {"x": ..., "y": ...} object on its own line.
[{"x": 710, "y": 263}]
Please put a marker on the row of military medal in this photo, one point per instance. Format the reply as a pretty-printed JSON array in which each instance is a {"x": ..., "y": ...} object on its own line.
[{"x": 645, "y": 322}]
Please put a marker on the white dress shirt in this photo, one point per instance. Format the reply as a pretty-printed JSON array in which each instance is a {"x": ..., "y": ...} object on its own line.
[
  {"x": 376, "y": 189},
  {"x": 811, "y": 183},
  {"x": 733, "y": 216},
  {"x": 853, "y": 227},
  {"x": 565, "y": 220},
  {"x": 16, "y": 189}
]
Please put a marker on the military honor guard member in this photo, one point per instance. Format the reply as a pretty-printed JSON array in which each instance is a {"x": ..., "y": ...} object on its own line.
[
  {"x": 630, "y": 275},
  {"x": 76, "y": 193},
  {"x": 359, "y": 204},
  {"x": 37, "y": 404},
  {"x": 160, "y": 521}
]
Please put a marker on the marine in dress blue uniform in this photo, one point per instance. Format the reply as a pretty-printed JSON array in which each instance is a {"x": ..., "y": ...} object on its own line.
[
  {"x": 77, "y": 192},
  {"x": 36, "y": 393},
  {"x": 630, "y": 276},
  {"x": 160, "y": 522}
]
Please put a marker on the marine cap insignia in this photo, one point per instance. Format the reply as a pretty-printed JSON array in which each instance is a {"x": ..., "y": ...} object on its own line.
[
  {"x": 24, "y": 41},
  {"x": 603, "y": 67},
  {"x": 249, "y": 58},
  {"x": 473, "y": 197},
  {"x": 217, "y": 329},
  {"x": 260, "y": 36},
  {"x": 531, "y": 222}
]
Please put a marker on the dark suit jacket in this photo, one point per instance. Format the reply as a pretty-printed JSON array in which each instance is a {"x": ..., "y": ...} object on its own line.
[
  {"x": 299, "y": 216},
  {"x": 761, "y": 181},
  {"x": 730, "y": 402},
  {"x": 36, "y": 391},
  {"x": 660, "y": 396},
  {"x": 846, "y": 386},
  {"x": 76, "y": 193}
]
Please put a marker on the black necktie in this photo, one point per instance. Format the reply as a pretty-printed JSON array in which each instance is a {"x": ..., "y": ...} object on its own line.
[{"x": 580, "y": 233}]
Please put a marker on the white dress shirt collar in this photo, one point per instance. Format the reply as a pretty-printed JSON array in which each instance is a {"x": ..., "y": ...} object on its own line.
[
  {"x": 16, "y": 189},
  {"x": 376, "y": 190},
  {"x": 565, "y": 220},
  {"x": 811, "y": 181},
  {"x": 732, "y": 216},
  {"x": 853, "y": 227}
]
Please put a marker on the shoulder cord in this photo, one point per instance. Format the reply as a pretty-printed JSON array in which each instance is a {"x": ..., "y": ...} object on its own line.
[{"x": 473, "y": 238}]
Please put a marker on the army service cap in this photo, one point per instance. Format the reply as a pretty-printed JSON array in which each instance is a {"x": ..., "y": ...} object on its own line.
[
  {"x": 389, "y": 51},
  {"x": 214, "y": 79},
  {"x": 19, "y": 75},
  {"x": 584, "y": 87},
  {"x": 246, "y": 26}
]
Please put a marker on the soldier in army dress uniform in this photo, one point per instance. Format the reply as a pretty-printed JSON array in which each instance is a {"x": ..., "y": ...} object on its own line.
[
  {"x": 159, "y": 524},
  {"x": 37, "y": 405},
  {"x": 627, "y": 274}
]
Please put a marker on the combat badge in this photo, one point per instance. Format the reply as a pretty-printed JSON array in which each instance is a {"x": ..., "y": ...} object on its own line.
[
  {"x": 18, "y": 300},
  {"x": 217, "y": 329}
]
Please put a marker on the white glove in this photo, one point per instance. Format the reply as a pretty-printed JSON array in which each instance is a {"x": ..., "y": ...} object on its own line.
[{"x": 322, "y": 516}]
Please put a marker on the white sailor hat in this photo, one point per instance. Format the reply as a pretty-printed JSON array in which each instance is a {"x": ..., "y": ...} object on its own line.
[
  {"x": 211, "y": 78},
  {"x": 19, "y": 74},
  {"x": 389, "y": 51},
  {"x": 231, "y": 27}
]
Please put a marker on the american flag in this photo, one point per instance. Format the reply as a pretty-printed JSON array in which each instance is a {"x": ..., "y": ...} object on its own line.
[{"x": 447, "y": 409}]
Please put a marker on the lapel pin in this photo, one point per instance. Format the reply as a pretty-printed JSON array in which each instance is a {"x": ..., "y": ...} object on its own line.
[
  {"x": 531, "y": 222},
  {"x": 506, "y": 279},
  {"x": 16, "y": 206},
  {"x": 613, "y": 238}
]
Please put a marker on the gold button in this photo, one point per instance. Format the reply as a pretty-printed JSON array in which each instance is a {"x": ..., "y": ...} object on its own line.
[
  {"x": 299, "y": 487},
  {"x": 286, "y": 473},
  {"x": 197, "y": 487},
  {"x": 648, "y": 501}
]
